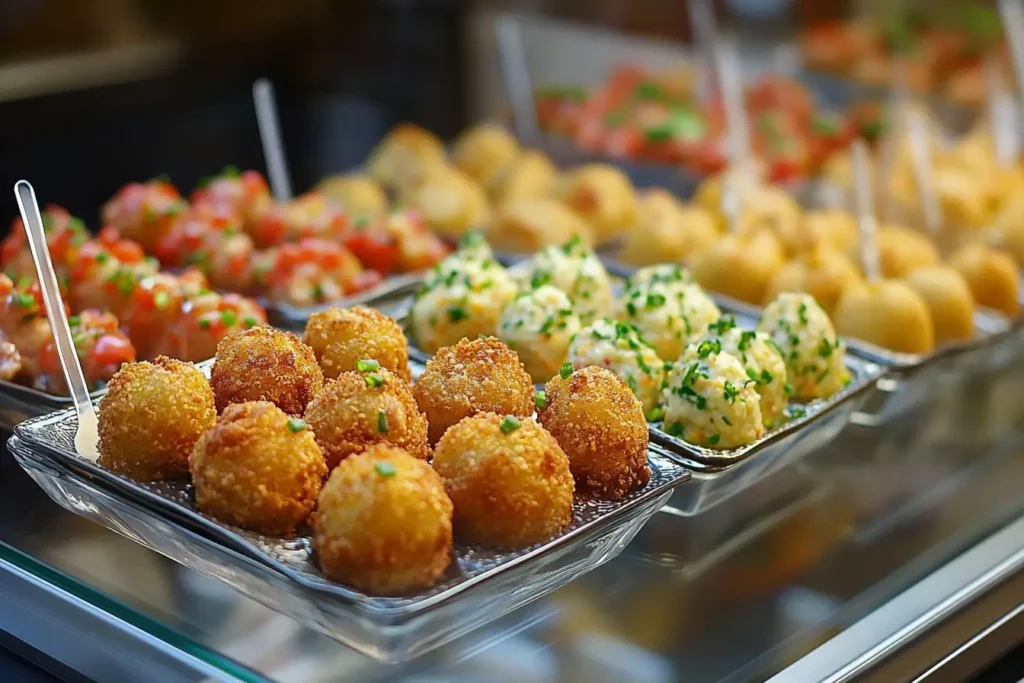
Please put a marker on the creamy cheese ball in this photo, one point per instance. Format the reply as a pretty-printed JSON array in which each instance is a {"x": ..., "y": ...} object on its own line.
[
  {"x": 668, "y": 311},
  {"x": 538, "y": 326},
  {"x": 760, "y": 359},
  {"x": 619, "y": 347},
  {"x": 805, "y": 336},
  {"x": 460, "y": 298},
  {"x": 709, "y": 400},
  {"x": 575, "y": 270}
]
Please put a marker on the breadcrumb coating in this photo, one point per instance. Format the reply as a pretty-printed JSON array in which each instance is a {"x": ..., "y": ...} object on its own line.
[
  {"x": 341, "y": 337},
  {"x": 151, "y": 417}
]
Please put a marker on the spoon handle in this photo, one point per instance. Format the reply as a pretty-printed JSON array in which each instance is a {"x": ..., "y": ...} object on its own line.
[
  {"x": 73, "y": 374},
  {"x": 516, "y": 73},
  {"x": 270, "y": 135},
  {"x": 867, "y": 223}
]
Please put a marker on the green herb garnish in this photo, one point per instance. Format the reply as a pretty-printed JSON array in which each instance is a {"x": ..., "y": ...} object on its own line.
[
  {"x": 385, "y": 468},
  {"x": 540, "y": 399},
  {"x": 382, "y": 422},
  {"x": 296, "y": 424},
  {"x": 565, "y": 370},
  {"x": 367, "y": 365},
  {"x": 509, "y": 424},
  {"x": 374, "y": 381}
]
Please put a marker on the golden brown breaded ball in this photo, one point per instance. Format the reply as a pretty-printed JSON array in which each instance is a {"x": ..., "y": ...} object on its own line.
[
  {"x": 770, "y": 208},
  {"x": 151, "y": 417},
  {"x": 888, "y": 314},
  {"x": 450, "y": 202},
  {"x": 508, "y": 479},
  {"x": 474, "y": 376},
  {"x": 667, "y": 232},
  {"x": 482, "y": 150},
  {"x": 360, "y": 409},
  {"x": 600, "y": 425},
  {"x": 739, "y": 266},
  {"x": 902, "y": 250},
  {"x": 358, "y": 194},
  {"x": 835, "y": 228},
  {"x": 523, "y": 226},
  {"x": 258, "y": 468},
  {"x": 949, "y": 300},
  {"x": 603, "y": 195},
  {"x": 341, "y": 337},
  {"x": 383, "y": 523},
  {"x": 405, "y": 156},
  {"x": 992, "y": 276},
  {"x": 528, "y": 176},
  {"x": 265, "y": 364},
  {"x": 822, "y": 272}
]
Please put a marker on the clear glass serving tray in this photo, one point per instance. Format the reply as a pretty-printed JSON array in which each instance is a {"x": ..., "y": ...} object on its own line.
[{"x": 480, "y": 585}]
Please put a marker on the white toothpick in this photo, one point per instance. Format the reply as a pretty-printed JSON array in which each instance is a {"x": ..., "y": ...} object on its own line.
[{"x": 270, "y": 136}]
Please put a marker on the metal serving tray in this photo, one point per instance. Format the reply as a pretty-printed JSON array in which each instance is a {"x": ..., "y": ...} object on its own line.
[{"x": 480, "y": 585}]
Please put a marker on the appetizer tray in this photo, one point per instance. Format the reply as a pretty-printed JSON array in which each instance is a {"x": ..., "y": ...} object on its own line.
[{"x": 480, "y": 585}]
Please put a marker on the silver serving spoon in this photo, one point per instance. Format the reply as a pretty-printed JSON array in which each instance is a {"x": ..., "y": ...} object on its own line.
[
  {"x": 270, "y": 136},
  {"x": 87, "y": 435}
]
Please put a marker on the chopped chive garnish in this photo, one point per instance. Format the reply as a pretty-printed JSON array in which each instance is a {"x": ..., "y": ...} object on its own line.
[
  {"x": 385, "y": 469},
  {"x": 714, "y": 439},
  {"x": 510, "y": 423},
  {"x": 204, "y": 323},
  {"x": 655, "y": 414},
  {"x": 74, "y": 321},
  {"x": 565, "y": 370},
  {"x": 228, "y": 317},
  {"x": 161, "y": 300},
  {"x": 250, "y": 321},
  {"x": 296, "y": 425},
  {"x": 374, "y": 381},
  {"x": 367, "y": 365},
  {"x": 540, "y": 399},
  {"x": 382, "y": 422}
]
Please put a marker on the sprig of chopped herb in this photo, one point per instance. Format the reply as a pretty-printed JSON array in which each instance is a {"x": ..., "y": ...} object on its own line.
[
  {"x": 367, "y": 365},
  {"x": 457, "y": 313},
  {"x": 296, "y": 424},
  {"x": 714, "y": 439},
  {"x": 374, "y": 381},
  {"x": 565, "y": 370},
  {"x": 385, "y": 468},
  {"x": 655, "y": 414},
  {"x": 509, "y": 424},
  {"x": 540, "y": 399},
  {"x": 382, "y": 422},
  {"x": 722, "y": 325},
  {"x": 228, "y": 317},
  {"x": 730, "y": 391},
  {"x": 708, "y": 347}
]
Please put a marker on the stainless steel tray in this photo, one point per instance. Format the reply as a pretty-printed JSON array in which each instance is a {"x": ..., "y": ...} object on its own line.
[{"x": 481, "y": 584}]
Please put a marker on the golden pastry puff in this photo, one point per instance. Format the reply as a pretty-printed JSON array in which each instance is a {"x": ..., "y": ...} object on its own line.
[
  {"x": 740, "y": 266},
  {"x": 770, "y": 208},
  {"x": 603, "y": 196},
  {"x": 949, "y": 300},
  {"x": 889, "y": 314},
  {"x": 667, "y": 232},
  {"x": 357, "y": 193},
  {"x": 450, "y": 202},
  {"x": 527, "y": 176},
  {"x": 823, "y": 272},
  {"x": 523, "y": 226},
  {"x": 992, "y": 275},
  {"x": 404, "y": 156},
  {"x": 902, "y": 250},
  {"x": 483, "y": 149},
  {"x": 836, "y": 228}
]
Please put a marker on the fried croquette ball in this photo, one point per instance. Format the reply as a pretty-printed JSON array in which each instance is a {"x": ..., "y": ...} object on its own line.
[
  {"x": 603, "y": 196},
  {"x": 834, "y": 228},
  {"x": 460, "y": 298},
  {"x": 405, "y": 156},
  {"x": 531, "y": 175},
  {"x": 902, "y": 250},
  {"x": 668, "y": 310},
  {"x": 814, "y": 355},
  {"x": 365, "y": 407},
  {"x": 889, "y": 314},
  {"x": 482, "y": 150},
  {"x": 823, "y": 272},
  {"x": 257, "y": 468},
  {"x": 265, "y": 364},
  {"x": 667, "y": 231},
  {"x": 523, "y": 226},
  {"x": 992, "y": 276},
  {"x": 383, "y": 523},
  {"x": 739, "y": 266},
  {"x": 759, "y": 357},
  {"x": 601, "y": 427},
  {"x": 538, "y": 325},
  {"x": 949, "y": 300},
  {"x": 574, "y": 269},
  {"x": 341, "y": 337},
  {"x": 358, "y": 194},
  {"x": 508, "y": 479},
  {"x": 709, "y": 401},
  {"x": 473, "y": 376},
  {"x": 450, "y": 202},
  {"x": 771, "y": 209},
  {"x": 151, "y": 417},
  {"x": 619, "y": 347}
]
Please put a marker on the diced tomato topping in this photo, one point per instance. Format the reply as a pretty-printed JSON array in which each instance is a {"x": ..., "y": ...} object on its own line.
[
  {"x": 113, "y": 349},
  {"x": 376, "y": 251}
]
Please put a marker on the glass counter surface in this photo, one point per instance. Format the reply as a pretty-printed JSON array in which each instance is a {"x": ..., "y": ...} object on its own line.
[{"x": 738, "y": 593}]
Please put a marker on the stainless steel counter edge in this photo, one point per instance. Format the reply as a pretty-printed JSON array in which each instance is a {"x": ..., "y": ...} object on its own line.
[
  {"x": 892, "y": 628},
  {"x": 88, "y": 640}
]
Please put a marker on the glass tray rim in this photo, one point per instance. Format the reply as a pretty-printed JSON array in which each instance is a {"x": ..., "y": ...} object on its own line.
[{"x": 381, "y": 608}]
